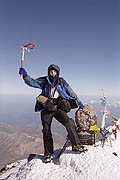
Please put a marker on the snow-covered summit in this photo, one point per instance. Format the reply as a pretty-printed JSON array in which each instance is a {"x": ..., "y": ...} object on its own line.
[{"x": 96, "y": 164}]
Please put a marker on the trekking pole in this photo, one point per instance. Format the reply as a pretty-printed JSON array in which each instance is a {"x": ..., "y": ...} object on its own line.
[
  {"x": 27, "y": 47},
  {"x": 63, "y": 149}
]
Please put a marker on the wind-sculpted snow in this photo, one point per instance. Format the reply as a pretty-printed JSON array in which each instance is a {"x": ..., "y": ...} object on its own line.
[{"x": 96, "y": 164}]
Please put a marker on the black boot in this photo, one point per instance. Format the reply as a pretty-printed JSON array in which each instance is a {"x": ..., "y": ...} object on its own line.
[{"x": 47, "y": 158}]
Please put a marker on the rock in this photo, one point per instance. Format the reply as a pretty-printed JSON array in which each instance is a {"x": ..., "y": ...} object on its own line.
[{"x": 86, "y": 117}]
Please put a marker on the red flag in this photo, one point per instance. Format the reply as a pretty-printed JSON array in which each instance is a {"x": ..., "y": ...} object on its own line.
[{"x": 108, "y": 113}]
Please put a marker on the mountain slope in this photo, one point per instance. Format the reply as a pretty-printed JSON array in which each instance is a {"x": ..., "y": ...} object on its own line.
[{"x": 16, "y": 144}]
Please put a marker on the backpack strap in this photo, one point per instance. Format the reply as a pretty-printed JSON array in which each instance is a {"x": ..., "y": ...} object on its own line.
[{"x": 62, "y": 80}]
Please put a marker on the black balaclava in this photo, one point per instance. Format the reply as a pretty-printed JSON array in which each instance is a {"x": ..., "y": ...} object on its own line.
[{"x": 53, "y": 80}]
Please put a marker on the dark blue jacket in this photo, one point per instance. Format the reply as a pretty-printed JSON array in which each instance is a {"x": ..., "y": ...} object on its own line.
[{"x": 63, "y": 88}]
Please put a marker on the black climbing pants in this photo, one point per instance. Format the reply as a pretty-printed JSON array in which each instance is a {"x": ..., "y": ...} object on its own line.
[{"x": 63, "y": 118}]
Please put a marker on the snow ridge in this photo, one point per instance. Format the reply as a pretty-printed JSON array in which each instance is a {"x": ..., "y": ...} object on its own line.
[{"x": 96, "y": 164}]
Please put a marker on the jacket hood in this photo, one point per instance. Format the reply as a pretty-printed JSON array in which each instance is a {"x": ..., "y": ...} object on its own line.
[{"x": 54, "y": 67}]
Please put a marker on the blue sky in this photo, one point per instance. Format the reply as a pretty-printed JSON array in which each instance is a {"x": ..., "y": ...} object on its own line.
[{"x": 81, "y": 36}]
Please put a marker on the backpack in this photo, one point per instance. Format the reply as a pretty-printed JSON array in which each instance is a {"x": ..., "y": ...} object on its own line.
[{"x": 85, "y": 118}]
